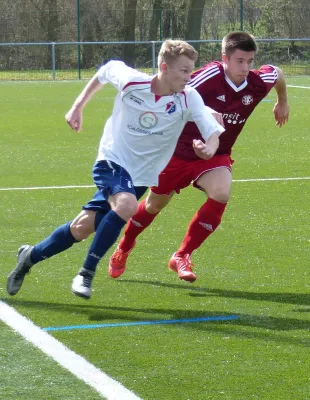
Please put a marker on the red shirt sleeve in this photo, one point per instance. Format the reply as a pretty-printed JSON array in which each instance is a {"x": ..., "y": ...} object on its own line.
[{"x": 268, "y": 75}]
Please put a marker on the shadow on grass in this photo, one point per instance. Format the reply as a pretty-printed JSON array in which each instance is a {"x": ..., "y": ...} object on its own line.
[
  {"x": 287, "y": 298},
  {"x": 245, "y": 326}
]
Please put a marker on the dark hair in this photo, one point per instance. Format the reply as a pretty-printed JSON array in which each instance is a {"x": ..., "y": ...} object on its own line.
[{"x": 238, "y": 40}]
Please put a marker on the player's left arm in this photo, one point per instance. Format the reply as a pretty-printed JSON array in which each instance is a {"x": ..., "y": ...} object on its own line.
[
  {"x": 218, "y": 116},
  {"x": 208, "y": 149},
  {"x": 281, "y": 109},
  {"x": 209, "y": 128}
]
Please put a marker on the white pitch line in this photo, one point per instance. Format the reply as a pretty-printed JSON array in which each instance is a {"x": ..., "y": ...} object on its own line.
[
  {"x": 49, "y": 187},
  {"x": 77, "y": 365},
  {"x": 272, "y": 179},
  {"x": 299, "y": 87},
  {"x": 94, "y": 187}
]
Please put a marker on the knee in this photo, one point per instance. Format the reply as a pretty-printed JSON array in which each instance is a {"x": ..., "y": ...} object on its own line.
[
  {"x": 130, "y": 209},
  {"x": 155, "y": 203},
  {"x": 81, "y": 229},
  {"x": 221, "y": 196},
  {"x": 153, "y": 207},
  {"x": 126, "y": 210}
]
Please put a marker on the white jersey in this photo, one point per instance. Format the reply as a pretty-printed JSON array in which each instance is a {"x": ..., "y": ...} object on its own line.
[{"x": 143, "y": 130}]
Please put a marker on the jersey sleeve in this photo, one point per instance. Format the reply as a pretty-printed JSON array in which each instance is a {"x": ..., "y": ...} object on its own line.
[
  {"x": 207, "y": 78},
  {"x": 269, "y": 75},
  {"x": 201, "y": 115},
  {"x": 117, "y": 73},
  {"x": 209, "y": 109}
]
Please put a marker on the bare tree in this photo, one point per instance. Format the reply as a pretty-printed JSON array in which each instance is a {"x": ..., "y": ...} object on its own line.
[
  {"x": 194, "y": 20},
  {"x": 155, "y": 21},
  {"x": 49, "y": 21},
  {"x": 130, "y": 9},
  {"x": 131, "y": 20}
]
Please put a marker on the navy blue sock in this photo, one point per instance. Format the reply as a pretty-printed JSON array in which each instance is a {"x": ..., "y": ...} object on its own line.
[
  {"x": 99, "y": 217},
  {"x": 60, "y": 240},
  {"x": 107, "y": 232}
]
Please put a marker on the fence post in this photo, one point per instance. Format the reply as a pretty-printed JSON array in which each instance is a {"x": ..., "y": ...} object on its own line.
[
  {"x": 53, "y": 61},
  {"x": 241, "y": 15},
  {"x": 78, "y": 37},
  {"x": 153, "y": 58},
  {"x": 161, "y": 24}
]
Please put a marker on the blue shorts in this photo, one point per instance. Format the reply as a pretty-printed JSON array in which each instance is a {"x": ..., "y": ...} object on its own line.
[{"x": 110, "y": 178}]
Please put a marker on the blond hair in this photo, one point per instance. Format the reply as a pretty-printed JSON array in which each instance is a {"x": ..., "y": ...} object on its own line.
[{"x": 171, "y": 50}]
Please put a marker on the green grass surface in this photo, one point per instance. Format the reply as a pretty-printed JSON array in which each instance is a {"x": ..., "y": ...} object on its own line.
[
  {"x": 255, "y": 266},
  {"x": 26, "y": 373}
]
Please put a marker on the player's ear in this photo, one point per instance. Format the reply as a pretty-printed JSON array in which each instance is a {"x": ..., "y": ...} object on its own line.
[
  {"x": 164, "y": 67},
  {"x": 224, "y": 58}
]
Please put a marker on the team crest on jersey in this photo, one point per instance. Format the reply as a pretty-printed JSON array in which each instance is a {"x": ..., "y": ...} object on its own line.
[
  {"x": 247, "y": 100},
  {"x": 148, "y": 120},
  {"x": 170, "y": 107}
]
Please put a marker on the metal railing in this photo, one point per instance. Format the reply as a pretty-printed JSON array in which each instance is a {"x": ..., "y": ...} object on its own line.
[{"x": 79, "y": 60}]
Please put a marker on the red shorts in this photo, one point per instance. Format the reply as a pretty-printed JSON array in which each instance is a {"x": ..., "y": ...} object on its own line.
[{"x": 181, "y": 173}]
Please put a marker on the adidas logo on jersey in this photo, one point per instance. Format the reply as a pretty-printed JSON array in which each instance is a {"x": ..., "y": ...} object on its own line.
[{"x": 222, "y": 97}]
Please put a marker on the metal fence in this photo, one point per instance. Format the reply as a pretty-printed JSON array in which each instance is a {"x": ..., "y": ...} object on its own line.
[{"x": 79, "y": 60}]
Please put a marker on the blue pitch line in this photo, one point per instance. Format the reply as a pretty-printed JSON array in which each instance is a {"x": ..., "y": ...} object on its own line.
[{"x": 159, "y": 322}]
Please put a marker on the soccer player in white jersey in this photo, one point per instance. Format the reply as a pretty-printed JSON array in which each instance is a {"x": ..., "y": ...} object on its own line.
[
  {"x": 234, "y": 89},
  {"x": 139, "y": 139}
]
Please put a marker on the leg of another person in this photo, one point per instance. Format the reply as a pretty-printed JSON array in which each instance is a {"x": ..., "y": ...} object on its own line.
[{"x": 217, "y": 185}]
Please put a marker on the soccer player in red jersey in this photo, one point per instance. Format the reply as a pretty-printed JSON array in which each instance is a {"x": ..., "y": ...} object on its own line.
[{"x": 234, "y": 89}]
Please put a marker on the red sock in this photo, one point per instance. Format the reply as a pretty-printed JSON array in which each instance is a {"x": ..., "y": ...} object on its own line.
[
  {"x": 136, "y": 225},
  {"x": 205, "y": 221}
]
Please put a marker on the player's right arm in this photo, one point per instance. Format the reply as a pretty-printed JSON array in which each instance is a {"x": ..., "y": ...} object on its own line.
[
  {"x": 115, "y": 72},
  {"x": 74, "y": 115}
]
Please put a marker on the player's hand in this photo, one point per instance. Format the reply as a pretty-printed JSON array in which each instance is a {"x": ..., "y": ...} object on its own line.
[
  {"x": 203, "y": 150},
  {"x": 74, "y": 119},
  {"x": 281, "y": 113}
]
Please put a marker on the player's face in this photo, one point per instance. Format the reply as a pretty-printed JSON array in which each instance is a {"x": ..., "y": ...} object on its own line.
[
  {"x": 178, "y": 73},
  {"x": 238, "y": 65}
]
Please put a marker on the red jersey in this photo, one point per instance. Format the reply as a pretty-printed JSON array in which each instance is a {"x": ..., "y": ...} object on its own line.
[{"x": 235, "y": 103}]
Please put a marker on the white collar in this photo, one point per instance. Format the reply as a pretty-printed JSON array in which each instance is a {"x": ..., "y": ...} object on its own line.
[{"x": 233, "y": 86}]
